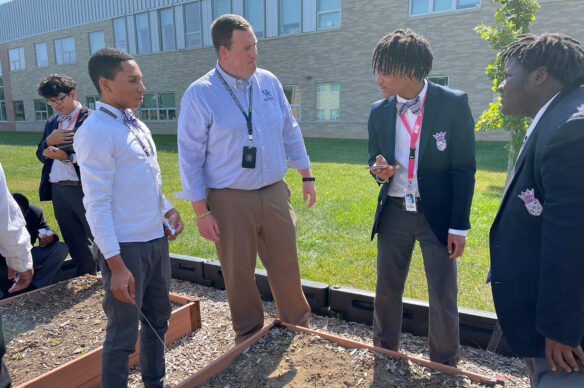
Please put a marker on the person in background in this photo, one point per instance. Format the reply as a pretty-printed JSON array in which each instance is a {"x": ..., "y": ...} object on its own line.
[{"x": 60, "y": 181}]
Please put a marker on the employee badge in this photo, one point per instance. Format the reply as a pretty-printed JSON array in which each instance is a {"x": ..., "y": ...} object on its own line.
[
  {"x": 532, "y": 204},
  {"x": 440, "y": 140},
  {"x": 410, "y": 200}
]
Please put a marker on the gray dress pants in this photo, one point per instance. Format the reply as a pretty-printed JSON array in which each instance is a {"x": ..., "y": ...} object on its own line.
[
  {"x": 149, "y": 263},
  {"x": 397, "y": 234}
]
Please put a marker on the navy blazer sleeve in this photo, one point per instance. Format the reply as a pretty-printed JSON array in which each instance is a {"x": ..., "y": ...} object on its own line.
[
  {"x": 43, "y": 144},
  {"x": 463, "y": 165},
  {"x": 560, "y": 303}
]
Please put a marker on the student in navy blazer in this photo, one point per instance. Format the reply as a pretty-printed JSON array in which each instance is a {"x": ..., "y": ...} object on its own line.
[
  {"x": 60, "y": 178},
  {"x": 537, "y": 264},
  {"x": 427, "y": 187}
]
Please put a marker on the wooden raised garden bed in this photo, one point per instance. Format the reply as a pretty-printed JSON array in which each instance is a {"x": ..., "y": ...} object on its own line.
[{"x": 84, "y": 370}]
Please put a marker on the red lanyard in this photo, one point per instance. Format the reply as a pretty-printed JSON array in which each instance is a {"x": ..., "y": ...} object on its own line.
[
  {"x": 70, "y": 121},
  {"x": 414, "y": 137}
]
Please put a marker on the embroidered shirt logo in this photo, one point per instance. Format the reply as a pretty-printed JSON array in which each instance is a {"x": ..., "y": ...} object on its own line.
[
  {"x": 531, "y": 203},
  {"x": 440, "y": 140},
  {"x": 267, "y": 95}
]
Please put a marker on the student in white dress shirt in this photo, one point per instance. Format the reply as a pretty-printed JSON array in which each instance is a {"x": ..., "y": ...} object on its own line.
[
  {"x": 126, "y": 210},
  {"x": 60, "y": 182}
]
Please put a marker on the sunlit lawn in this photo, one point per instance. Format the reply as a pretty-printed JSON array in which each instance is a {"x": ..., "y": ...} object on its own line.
[{"x": 333, "y": 236}]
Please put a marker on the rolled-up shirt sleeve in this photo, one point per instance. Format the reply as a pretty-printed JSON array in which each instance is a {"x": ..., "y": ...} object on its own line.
[
  {"x": 192, "y": 137},
  {"x": 15, "y": 243},
  {"x": 293, "y": 141},
  {"x": 95, "y": 157}
]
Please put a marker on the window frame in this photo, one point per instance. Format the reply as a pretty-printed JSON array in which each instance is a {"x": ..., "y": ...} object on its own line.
[
  {"x": 200, "y": 32},
  {"x": 161, "y": 29},
  {"x": 3, "y": 100},
  {"x": 213, "y": 9},
  {"x": 158, "y": 109},
  {"x": 91, "y": 51},
  {"x": 148, "y": 49},
  {"x": 300, "y": 17},
  {"x": 121, "y": 45},
  {"x": 318, "y": 108},
  {"x": 299, "y": 104},
  {"x": 245, "y": 15},
  {"x": 44, "y": 113},
  {"x": 318, "y": 13},
  {"x": 435, "y": 78},
  {"x": 60, "y": 41},
  {"x": 453, "y": 8},
  {"x": 20, "y": 63},
  {"x": 88, "y": 103},
  {"x": 16, "y": 117},
  {"x": 36, "y": 52}
]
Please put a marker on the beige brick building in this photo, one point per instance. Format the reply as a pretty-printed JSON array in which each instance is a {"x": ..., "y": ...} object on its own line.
[{"x": 319, "y": 49}]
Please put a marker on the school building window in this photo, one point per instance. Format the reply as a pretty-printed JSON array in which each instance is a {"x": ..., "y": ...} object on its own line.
[
  {"x": 292, "y": 93},
  {"x": 96, "y": 41},
  {"x": 158, "y": 106},
  {"x": 19, "y": 111},
  {"x": 254, "y": 12},
  {"x": 328, "y": 101},
  {"x": 329, "y": 14},
  {"x": 16, "y": 57},
  {"x": 2, "y": 101},
  {"x": 290, "y": 16},
  {"x": 65, "y": 50},
  {"x": 221, "y": 7},
  {"x": 439, "y": 80},
  {"x": 42, "y": 110},
  {"x": 421, "y": 7},
  {"x": 143, "y": 33},
  {"x": 91, "y": 101},
  {"x": 192, "y": 14},
  {"x": 167, "y": 29},
  {"x": 120, "y": 34},
  {"x": 41, "y": 54}
]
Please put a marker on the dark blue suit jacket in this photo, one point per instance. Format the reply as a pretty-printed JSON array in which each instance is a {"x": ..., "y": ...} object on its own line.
[
  {"x": 536, "y": 240},
  {"x": 50, "y": 126},
  {"x": 445, "y": 178}
]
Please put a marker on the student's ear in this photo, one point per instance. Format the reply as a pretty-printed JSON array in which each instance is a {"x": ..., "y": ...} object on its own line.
[
  {"x": 541, "y": 75},
  {"x": 73, "y": 94},
  {"x": 105, "y": 85}
]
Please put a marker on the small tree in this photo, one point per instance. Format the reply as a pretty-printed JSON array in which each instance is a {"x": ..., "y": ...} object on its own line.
[{"x": 511, "y": 19}]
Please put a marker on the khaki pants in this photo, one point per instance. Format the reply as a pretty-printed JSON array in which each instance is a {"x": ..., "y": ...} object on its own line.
[{"x": 253, "y": 222}]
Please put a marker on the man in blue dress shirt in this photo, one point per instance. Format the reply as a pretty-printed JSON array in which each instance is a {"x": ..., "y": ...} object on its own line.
[{"x": 235, "y": 134}]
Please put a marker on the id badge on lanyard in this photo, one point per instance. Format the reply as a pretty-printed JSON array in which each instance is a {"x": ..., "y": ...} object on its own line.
[{"x": 410, "y": 197}]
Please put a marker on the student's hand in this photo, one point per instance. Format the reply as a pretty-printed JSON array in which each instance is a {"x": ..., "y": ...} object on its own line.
[
  {"x": 23, "y": 281},
  {"x": 47, "y": 239},
  {"x": 455, "y": 245},
  {"x": 122, "y": 283},
  {"x": 308, "y": 189},
  {"x": 60, "y": 136},
  {"x": 208, "y": 227},
  {"x": 175, "y": 222},
  {"x": 563, "y": 355},
  {"x": 383, "y": 173},
  {"x": 54, "y": 153}
]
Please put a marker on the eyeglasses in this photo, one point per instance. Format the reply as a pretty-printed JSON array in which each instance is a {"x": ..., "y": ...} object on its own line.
[{"x": 56, "y": 100}]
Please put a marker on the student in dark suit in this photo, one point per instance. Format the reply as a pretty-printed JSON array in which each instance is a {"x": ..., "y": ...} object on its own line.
[
  {"x": 60, "y": 181},
  {"x": 537, "y": 265},
  {"x": 421, "y": 146}
]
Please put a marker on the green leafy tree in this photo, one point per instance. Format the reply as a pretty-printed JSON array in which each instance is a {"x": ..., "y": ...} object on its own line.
[{"x": 511, "y": 19}]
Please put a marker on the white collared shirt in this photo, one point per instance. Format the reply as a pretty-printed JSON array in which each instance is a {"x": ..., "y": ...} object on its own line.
[
  {"x": 63, "y": 170},
  {"x": 533, "y": 124},
  {"x": 121, "y": 196},
  {"x": 15, "y": 243},
  {"x": 399, "y": 182}
]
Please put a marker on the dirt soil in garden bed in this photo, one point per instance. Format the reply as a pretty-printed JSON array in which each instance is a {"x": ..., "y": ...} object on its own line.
[
  {"x": 284, "y": 358},
  {"x": 48, "y": 328}
]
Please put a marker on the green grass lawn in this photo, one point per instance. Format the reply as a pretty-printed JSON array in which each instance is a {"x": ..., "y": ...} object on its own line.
[{"x": 333, "y": 236}]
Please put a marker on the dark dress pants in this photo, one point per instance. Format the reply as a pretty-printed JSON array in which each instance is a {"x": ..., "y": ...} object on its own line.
[
  {"x": 70, "y": 215},
  {"x": 397, "y": 234}
]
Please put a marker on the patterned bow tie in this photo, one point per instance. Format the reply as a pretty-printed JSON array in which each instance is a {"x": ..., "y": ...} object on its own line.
[
  {"x": 129, "y": 117},
  {"x": 413, "y": 105},
  {"x": 64, "y": 118}
]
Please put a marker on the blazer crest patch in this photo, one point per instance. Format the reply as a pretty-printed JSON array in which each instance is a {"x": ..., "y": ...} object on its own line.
[
  {"x": 532, "y": 204},
  {"x": 440, "y": 140}
]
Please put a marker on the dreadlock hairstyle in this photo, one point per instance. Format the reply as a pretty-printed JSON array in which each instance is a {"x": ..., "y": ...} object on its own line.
[
  {"x": 561, "y": 55},
  {"x": 403, "y": 52}
]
